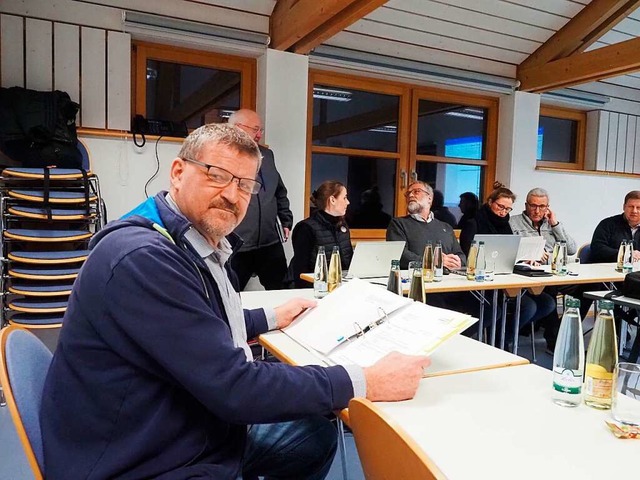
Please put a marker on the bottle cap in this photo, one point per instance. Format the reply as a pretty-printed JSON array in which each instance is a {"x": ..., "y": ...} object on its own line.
[
  {"x": 572, "y": 302},
  {"x": 605, "y": 305}
]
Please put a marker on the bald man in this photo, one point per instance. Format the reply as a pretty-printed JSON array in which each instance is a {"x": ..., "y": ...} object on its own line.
[{"x": 262, "y": 252}]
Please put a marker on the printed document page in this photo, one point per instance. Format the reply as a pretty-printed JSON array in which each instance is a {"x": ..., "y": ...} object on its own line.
[
  {"x": 346, "y": 312},
  {"x": 417, "y": 329},
  {"x": 531, "y": 248}
]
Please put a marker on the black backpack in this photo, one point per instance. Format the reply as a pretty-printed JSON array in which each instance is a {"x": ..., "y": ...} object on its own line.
[{"x": 38, "y": 129}]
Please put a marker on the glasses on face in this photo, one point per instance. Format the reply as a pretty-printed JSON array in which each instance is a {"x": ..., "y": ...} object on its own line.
[
  {"x": 415, "y": 192},
  {"x": 533, "y": 206},
  {"x": 255, "y": 130},
  {"x": 502, "y": 208},
  {"x": 220, "y": 177}
]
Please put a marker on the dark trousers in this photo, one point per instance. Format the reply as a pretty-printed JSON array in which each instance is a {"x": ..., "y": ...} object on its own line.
[{"x": 269, "y": 263}]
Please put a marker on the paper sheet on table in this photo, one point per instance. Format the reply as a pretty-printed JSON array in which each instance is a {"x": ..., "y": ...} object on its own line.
[
  {"x": 343, "y": 313},
  {"x": 531, "y": 248},
  {"x": 416, "y": 329}
]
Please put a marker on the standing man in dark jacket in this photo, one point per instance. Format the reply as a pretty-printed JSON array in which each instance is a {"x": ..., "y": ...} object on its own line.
[
  {"x": 612, "y": 230},
  {"x": 268, "y": 217},
  {"x": 153, "y": 376}
]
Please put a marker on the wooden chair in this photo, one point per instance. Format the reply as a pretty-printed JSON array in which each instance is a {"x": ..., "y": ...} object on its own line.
[{"x": 385, "y": 450}]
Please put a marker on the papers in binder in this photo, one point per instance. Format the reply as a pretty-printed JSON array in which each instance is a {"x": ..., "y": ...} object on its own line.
[{"x": 360, "y": 323}]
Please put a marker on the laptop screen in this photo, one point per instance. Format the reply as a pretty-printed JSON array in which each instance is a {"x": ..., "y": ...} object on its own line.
[
  {"x": 373, "y": 259},
  {"x": 502, "y": 249}
]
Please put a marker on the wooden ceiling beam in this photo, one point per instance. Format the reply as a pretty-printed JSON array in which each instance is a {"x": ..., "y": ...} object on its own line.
[
  {"x": 591, "y": 23},
  {"x": 312, "y": 21},
  {"x": 610, "y": 61}
]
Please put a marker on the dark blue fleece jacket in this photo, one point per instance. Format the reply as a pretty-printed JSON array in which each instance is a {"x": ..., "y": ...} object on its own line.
[{"x": 145, "y": 382}]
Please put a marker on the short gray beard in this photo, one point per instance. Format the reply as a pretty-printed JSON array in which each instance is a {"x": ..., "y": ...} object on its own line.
[{"x": 414, "y": 207}]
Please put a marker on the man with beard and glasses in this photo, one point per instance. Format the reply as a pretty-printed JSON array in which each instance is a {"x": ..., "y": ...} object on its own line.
[
  {"x": 153, "y": 377},
  {"x": 420, "y": 227}
]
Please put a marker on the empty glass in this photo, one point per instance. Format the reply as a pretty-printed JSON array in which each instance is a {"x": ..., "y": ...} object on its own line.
[{"x": 625, "y": 407}]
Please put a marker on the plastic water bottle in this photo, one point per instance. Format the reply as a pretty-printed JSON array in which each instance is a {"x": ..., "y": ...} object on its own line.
[
  {"x": 320, "y": 274},
  {"x": 568, "y": 357},
  {"x": 481, "y": 263}
]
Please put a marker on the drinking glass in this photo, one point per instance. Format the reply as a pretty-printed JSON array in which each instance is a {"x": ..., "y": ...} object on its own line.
[
  {"x": 574, "y": 267},
  {"x": 625, "y": 407}
]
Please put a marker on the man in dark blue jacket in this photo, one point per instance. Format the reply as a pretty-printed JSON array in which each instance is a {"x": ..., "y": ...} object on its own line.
[
  {"x": 268, "y": 220},
  {"x": 153, "y": 377}
]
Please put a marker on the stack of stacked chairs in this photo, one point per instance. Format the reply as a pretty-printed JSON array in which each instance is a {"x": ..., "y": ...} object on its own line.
[{"x": 48, "y": 216}]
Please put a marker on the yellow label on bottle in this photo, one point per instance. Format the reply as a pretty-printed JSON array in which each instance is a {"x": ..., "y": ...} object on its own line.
[{"x": 594, "y": 370}]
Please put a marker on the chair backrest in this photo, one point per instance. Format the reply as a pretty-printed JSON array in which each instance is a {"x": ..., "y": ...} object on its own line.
[
  {"x": 584, "y": 252},
  {"x": 24, "y": 363},
  {"x": 385, "y": 450},
  {"x": 86, "y": 155}
]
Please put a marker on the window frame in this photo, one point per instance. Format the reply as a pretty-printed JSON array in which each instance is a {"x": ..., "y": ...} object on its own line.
[
  {"x": 143, "y": 51},
  {"x": 405, "y": 157},
  {"x": 581, "y": 134}
]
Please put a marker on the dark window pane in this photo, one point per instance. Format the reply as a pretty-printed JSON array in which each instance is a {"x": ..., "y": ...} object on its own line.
[
  {"x": 195, "y": 95},
  {"x": 343, "y": 117},
  {"x": 557, "y": 140},
  {"x": 452, "y": 179},
  {"x": 370, "y": 186},
  {"x": 451, "y": 130}
]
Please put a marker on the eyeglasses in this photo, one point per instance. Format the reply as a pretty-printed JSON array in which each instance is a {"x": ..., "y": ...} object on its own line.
[
  {"x": 415, "y": 192},
  {"x": 222, "y": 178},
  {"x": 502, "y": 208},
  {"x": 533, "y": 206},
  {"x": 255, "y": 130}
]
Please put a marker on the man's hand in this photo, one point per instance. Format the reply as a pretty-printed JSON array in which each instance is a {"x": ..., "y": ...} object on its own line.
[
  {"x": 451, "y": 261},
  {"x": 286, "y": 233},
  {"x": 287, "y": 312},
  {"x": 636, "y": 255},
  {"x": 551, "y": 217},
  {"x": 395, "y": 377},
  {"x": 545, "y": 257}
]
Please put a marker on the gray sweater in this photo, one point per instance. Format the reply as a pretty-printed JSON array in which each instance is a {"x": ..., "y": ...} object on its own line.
[
  {"x": 417, "y": 233},
  {"x": 523, "y": 226}
]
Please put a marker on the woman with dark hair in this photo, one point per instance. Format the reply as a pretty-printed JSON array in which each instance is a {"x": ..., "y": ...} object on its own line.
[
  {"x": 324, "y": 227},
  {"x": 493, "y": 218}
]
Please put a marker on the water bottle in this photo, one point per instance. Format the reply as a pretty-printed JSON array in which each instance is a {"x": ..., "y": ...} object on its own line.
[
  {"x": 394, "y": 284},
  {"x": 621, "y": 252},
  {"x": 561, "y": 262},
  {"x": 471, "y": 261},
  {"x": 320, "y": 274},
  {"x": 438, "y": 263},
  {"x": 427, "y": 263},
  {"x": 568, "y": 357},
  {"x": 335, "y": 270},
  {"x": 627, "y": 262},
  {"x": 602, "y": 356},
  {"x": 481, "y": 263},
  {"x": 554, "y": 258}
]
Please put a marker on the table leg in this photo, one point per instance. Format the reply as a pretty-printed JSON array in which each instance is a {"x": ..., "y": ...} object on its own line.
[
  {"x": 494, "y": 317},
  {"x": 517, "y": 323},
  {"x": 503, "y": 326},
  {"x": 342, "y": 445}
]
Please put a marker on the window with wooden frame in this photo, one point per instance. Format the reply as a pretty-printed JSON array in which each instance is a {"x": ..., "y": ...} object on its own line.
[
  {"x": 358, "y": 133},
  {"x": 190, "y": 86},
  {"x": 561, "y": 138},
  {"x": 454, "y": 141},
  {"x": 375, "y": 136}
]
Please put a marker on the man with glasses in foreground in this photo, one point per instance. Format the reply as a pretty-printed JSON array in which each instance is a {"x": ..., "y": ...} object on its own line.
[
  {"x": 153, "y": 377},
  {"x": 268, "y": 220}
]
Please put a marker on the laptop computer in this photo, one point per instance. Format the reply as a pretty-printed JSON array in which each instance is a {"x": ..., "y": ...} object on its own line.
[
  {"x": 373, "y": 259},
  {"x": 502, "y": 249}
]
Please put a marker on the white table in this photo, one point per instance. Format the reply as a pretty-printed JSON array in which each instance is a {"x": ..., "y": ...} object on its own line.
[
  {"x": 457, "y": 354},
  {"x": 502, "y": 424}
]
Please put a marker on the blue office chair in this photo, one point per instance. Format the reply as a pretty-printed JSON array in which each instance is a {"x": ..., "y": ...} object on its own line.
[
  {"x": 24, "y": 363},
  {"x": 584, "y": 252}
]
